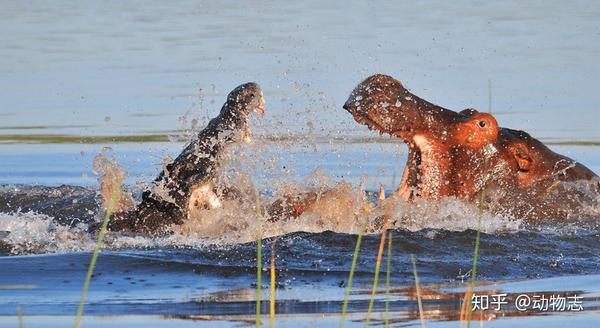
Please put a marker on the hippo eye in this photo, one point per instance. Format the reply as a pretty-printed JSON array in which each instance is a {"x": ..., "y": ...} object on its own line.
[{"x": 481, "y": 124}]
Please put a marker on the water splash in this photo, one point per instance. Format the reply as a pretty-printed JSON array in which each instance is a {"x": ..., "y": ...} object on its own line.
[
  {"x": 109, "y": 172},
  {"x": 246, "y": 167},
  {"x": 37, "y": 233}
]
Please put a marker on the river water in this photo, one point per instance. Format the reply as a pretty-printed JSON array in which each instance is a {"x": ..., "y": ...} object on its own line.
[{"x": 138, "y": 77}]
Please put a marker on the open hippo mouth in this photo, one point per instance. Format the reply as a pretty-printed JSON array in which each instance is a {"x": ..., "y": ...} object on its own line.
[
  {"x": 431, "y": 132},
  {"x": 257, "y": 106},
  {"x": 232, "y": 123},
  {"x": 187, "y": 183}
]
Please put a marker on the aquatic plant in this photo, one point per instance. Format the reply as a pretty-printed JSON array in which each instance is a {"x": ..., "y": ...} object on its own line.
[
  {"x": 418, "y": 289},
  {"x": 20, "y": 316},
  {"x": 363, "y": 226},
  {"x": 272, "y": 288},
  {"x": 113, "y": 201},
  {"x": 258, "y": 277},
  {"x": 387, "y": 280},
  {"x": 467, "y": 303},
  {"x": 378, "y": 261},
  {"x": 258, "y": 260}
]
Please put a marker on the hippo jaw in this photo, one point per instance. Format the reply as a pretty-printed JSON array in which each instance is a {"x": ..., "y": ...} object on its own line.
[
  {"x": 187, "y": 182},
  {"x": 232, "y": 122},
  {"x": 382, "y": 104},
  {"x": 256, "y": 104},
  {"x": 437, "y": 138},
  {"x": 378, "y": 103},
  {"x": 424, "y": 173},
  {"x": 258, "y": 107},
  {"x": 463, "y": 154}
]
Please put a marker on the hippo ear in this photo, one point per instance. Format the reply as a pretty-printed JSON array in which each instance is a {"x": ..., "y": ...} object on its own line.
[
  {"x": 521, "y": 155},
  {"x": 469, "y": 112}
]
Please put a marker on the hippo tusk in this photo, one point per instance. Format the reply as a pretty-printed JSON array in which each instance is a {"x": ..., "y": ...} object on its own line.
[
  {"x": 261, "y": 105},
  {"x": 381, "y": 192}
]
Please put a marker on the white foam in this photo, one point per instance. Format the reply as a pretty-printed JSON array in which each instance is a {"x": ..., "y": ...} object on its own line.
[
  {"x": 451, "y": 214},
  {"x": 232, "y": 224},
  {"x": 340, "y": 209},
  {"x": 38, "y": 233}
]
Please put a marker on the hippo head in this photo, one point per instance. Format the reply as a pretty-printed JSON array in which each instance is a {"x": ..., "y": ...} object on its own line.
[
  {"x": 232, "y": 122},
  {"x": 244, "y": 99},
  {"x": 383, "y": 104},
  {"x": 456, "y": 153}
]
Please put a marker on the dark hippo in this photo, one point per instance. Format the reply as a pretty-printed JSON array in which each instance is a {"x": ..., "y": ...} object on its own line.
[
  {"x": 187, "y": 181},
  {"x": 462, "y": 154},
  {"x": 187, "y": 184}
]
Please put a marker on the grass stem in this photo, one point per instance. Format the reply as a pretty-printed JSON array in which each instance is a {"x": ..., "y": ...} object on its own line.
[
  {"x": 20, "y": 316},
  {"x": 114, "y": 199},
  {"x": 258, "y": 261},
  {"x": 418, "y": 290},
  {"x": 379, "y": 256},
  {"x": 468, "y": 297},
  {"x": 272, "y": 289},
  {"x": 376, "y": 276},
  {"x": 363, "y": 226},
  {"x": 387, "y": 280}
]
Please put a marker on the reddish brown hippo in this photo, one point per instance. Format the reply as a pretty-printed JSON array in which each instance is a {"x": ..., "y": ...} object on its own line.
[{"x": 462, "y": 154}]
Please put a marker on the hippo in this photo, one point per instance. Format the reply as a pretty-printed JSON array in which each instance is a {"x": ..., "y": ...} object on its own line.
[
  {"x": 467, "y": 155},
  {"x": 187, "y": 186},
  {"x": 187, "y": 182}
]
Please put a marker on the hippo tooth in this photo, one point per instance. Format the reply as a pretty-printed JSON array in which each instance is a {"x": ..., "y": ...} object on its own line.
[
  {"x": 382, "y": 192},
  {"x": 204, "y": 196},
  {"x": 246, "y": 135},
  {"x": 489, "y": 150}
]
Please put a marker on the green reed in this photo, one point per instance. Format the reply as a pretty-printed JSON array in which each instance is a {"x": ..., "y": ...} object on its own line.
[
  {"x": 387, "y": 280},
  {"x": 468, "y": 295},
  {"x": 418, "y": 289},
  {"x": 363, "y": 227},
  {"x": 114, "y": 198},
  {"x": 272, "y": 288},
  {"x": 377, "y": 265},
  {"x": 475, "y": 256},
  {"x": 258, "y": 260},
  {"x": 20, "y": 316},
  {"x": 258, "y": 277}
]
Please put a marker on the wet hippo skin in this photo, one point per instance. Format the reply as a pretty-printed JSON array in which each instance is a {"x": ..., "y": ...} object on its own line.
[
  {"x": 467, "y": 155},
  {"x": 187, "y": 182}
]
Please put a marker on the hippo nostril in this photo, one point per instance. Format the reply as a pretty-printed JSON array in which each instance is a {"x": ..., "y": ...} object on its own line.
[{"x": 482, "y": 124}]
